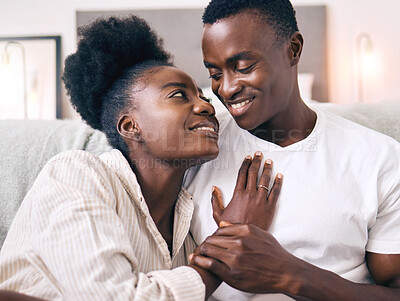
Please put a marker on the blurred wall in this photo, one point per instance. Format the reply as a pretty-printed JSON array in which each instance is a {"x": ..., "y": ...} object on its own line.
[{"x": 346, "y": 20}]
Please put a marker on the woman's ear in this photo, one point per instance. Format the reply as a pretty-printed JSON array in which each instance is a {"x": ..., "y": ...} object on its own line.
[
  {"x": 129, "y": 129},
  {"x": 296, "y": 46}
]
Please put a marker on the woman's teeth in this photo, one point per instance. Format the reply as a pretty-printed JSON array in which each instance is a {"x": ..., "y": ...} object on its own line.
[{"x": 240, "y": 104}]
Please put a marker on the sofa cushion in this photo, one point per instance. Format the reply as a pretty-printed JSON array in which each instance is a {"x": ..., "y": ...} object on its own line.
[
  {"x": 383, "y": 117},
  {"x": 26, "y": 146}
]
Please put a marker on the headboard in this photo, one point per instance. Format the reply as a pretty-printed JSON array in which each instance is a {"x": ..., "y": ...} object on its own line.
[{"x": 181, "y": 30}]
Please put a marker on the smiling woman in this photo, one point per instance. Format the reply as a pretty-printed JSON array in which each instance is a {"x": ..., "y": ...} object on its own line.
[
  {"x": 186, "y": 125},
  {"x": 97, "y": 226},
  {"x": 116, "y": 226}
]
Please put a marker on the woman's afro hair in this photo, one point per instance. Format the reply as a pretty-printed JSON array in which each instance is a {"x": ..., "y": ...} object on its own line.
[
  {"x": 277, "y": 13},
  {"x": 106, "y": 49}
]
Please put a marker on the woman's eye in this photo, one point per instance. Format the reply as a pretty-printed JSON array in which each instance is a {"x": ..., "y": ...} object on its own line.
[
  {"x": 179, "y": 94},
  {"x": 208, "y": 99}
]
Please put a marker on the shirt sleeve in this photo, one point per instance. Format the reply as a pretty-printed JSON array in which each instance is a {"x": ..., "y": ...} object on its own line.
[
  {"x": 384, "y": 235},
  {"x": 80, "y": 243}
]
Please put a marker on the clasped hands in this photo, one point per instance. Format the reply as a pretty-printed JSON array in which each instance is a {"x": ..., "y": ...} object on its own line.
[{"x": 241, "y": 251}]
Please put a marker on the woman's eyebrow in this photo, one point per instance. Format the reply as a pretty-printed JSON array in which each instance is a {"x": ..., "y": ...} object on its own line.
[{"x": 177, "y": 84}]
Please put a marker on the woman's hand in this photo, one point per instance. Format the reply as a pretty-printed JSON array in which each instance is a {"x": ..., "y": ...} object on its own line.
[
  {"x": 240, "y": 254},
  {"x": 251, "y": 203}
]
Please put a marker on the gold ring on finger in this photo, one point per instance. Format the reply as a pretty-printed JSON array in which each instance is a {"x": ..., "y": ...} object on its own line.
[{"x": 265, "y": 187}]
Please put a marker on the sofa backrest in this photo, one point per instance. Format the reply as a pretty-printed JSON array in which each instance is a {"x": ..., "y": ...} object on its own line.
[
  {"x": 383, "y": 117},
  {"x": 26, "y": 146}
]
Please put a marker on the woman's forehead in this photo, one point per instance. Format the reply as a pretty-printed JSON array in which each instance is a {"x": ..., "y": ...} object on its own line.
[
  {"x": 169, "y": 74},
  {"x": 159, "y": 79}
]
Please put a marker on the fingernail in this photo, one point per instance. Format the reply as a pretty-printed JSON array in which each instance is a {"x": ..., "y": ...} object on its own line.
[
  {"x": 248, "y": 158},
  {"x": 279, "y": 176},
  {"x": 213, "y": 188},
  {"x": 223, "y": 224},
  {"x": 258, "y": 154},
  {"x": 191, "y": 257},
  {"x": 268, "y": 161}
]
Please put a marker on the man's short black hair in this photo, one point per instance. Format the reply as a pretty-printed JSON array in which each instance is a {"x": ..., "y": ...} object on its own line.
[{"x": 279, "y": 14}]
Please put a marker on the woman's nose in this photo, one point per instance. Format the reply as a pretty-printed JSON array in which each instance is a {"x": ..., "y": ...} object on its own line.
[{"x": 203, "y": 107}]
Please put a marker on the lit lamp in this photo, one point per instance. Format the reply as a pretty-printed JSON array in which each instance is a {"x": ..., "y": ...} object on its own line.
[
  {"x": 366, "y": 61},
  {"x": 6, "y": 62}
]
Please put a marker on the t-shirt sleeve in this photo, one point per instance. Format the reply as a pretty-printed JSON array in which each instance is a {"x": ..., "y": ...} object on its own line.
[
  {"x": 81, "y": 244},
  {"x": 384, "y": 235}
]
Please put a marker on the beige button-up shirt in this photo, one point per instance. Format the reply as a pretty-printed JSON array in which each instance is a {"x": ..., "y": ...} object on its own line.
[{"x": 84, "y": 232}]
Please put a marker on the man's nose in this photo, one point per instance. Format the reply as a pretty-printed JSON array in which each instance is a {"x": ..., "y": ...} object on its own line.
[{"x": 229, "y": 87}]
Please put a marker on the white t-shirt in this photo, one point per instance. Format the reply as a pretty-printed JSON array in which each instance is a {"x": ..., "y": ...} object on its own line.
[{"x": 340, "y": 195}]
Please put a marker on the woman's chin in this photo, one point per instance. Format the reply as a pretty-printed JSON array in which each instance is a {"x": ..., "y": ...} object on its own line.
[
  {"x": 189, "y": 157},
  {"x": 204, "y": 157},
  {"x": 210, "y": 156}
]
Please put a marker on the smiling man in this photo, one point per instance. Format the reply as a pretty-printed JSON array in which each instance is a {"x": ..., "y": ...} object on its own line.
[{"x": 336, "y": 231}]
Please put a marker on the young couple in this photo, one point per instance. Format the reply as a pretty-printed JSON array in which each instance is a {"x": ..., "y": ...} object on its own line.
[{"x": 116, "y": 227}]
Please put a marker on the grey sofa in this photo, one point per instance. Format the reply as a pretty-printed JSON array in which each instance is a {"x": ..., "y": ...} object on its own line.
[{"x": 27, "y": 145}]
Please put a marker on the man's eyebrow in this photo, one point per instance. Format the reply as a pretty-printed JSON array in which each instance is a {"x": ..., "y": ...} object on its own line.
[
  {"x": 245, "y": 55},
  {"x": 209, "y": 65},
  {"x": 174, "y": 84}
]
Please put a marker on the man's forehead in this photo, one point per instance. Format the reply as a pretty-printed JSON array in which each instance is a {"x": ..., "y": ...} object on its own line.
[
  {"x": 229, "y": 41},
  {"x": 242, "y": 19},
  {"x": 241, "y": 27}
]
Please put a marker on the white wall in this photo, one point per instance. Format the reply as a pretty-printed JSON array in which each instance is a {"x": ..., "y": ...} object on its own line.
[
  {"x": 57, "y": 17},
  {"x": 346, "y": 19}
]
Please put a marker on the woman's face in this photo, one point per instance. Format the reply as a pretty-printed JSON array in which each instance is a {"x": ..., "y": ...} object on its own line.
[{"x": 176, "y": 121}]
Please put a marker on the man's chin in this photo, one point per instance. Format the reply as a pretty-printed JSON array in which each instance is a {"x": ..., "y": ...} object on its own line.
[{"x": 245, "y": 123}]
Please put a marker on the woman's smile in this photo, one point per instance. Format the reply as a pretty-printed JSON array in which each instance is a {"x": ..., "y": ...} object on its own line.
[
  {"x": 207, "y": 128},
  {"x": 179, "y": 117}
]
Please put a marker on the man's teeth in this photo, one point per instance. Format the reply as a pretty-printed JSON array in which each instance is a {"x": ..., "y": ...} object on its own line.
[
  {"x": 205, "y": 128},
  {"x": 240, "y": 104}
]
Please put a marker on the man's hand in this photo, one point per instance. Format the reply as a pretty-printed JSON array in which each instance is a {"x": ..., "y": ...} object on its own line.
[
  {"x": 252, "y": 260},
  {"x": 251, "y": 203},
  {"x": 249, "y": 259}
]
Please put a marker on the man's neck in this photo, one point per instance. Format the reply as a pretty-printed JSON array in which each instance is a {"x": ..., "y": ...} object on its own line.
[{"x": 288, "y": 127}]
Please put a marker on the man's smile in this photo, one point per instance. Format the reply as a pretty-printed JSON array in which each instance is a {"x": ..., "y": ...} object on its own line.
[{"x": 239, "y": 107}]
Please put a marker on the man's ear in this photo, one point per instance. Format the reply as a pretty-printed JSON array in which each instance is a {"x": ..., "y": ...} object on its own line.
[
  {"x": 296, "y": 47},
  {"x": 129, "y": 129}
]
